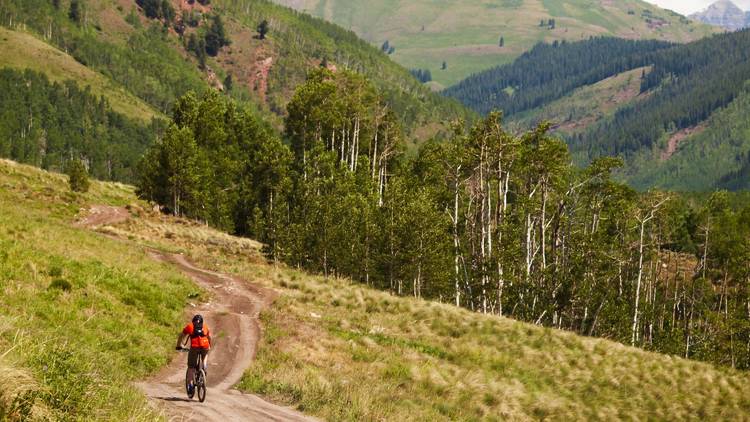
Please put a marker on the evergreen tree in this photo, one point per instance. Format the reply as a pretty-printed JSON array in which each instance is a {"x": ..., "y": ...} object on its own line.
[
  {"x": 78, "y": 177},
  {"x": 216, "y": 37},
  {"x": 75, "y": 13},
  {"x": 263, "y": 28},
  {"x": 444, "y": 66},
  {"x": 228, "y": 83},
  {"x": 502, "y": 42}
]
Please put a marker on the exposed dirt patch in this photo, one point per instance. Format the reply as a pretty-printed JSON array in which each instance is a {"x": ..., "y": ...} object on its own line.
[
  {"x": 103, "y": 215},
  {"x": 248, "y": 60},
  {"x": 679, "y": 137}
]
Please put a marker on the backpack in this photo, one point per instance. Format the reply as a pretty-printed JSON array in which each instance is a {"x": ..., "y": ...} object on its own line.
[{"x": 198, "y": 330}]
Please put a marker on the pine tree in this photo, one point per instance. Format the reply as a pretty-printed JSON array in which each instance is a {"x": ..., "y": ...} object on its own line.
[
  {"x": 263, "y": 29},
  {"x": 78, "y": 177},
  {"x": 228, "y": 83},
  {"x": 502, "y": 42},
  {"x": 444, "y": 66},
  {"x": 215, "y": 36},
  {"x": 75, "y": 13}
]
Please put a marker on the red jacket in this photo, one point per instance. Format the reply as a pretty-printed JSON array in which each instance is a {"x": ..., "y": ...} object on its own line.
[{"x": 198, "y": 342}]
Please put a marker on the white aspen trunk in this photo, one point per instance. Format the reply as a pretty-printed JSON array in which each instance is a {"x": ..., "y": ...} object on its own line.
[
  {"x": 374, "y": 162},
  {"x": 705, "y": 248},
  {"x": 455, "y": 239},
  {"x": 543, "y": 228},
  {"x": 638, "y": 284},
  {"x": 528, "y": 247}
]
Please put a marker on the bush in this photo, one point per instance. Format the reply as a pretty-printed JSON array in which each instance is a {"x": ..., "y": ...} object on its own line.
[
  {"x": 78, "y": 177},
  {"x": 61, "y": 284}
]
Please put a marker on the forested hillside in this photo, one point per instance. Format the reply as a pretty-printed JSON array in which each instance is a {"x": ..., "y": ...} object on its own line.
[
  {"x": 550, "y": 71},
  {"x": 143, "y": 55},
  {"x": 462, "y": 37},
  {"x": 684, "y": 104},
  {"x": 48, "y": 124},
  {"x": 490, "y": 221}
]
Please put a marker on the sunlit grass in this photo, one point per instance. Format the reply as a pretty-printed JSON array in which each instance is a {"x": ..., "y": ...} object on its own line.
[
  {"x": 330, "y": 348},
  {"x": 82, "y": 314},
  {"x": 342, "y": 351}
]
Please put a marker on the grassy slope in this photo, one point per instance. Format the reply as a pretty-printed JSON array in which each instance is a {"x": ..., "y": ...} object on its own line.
[
  {"x": 465, "y": 33},
  {"x": 587, "y": 105},
  {"x": 77, "y": 350},
  {"x": 21, "y": 50},
  {"x": 345, "y": 352}
]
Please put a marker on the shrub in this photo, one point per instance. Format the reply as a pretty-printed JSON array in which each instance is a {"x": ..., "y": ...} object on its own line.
[
  {"x": 61, "y": 284},
  {"x": 78, "y": 177}
]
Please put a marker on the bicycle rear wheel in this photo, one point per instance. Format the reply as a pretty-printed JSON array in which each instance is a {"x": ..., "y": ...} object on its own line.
[
  {"x": 187, "y": 385},
  {"x": 200, "y": 386}
]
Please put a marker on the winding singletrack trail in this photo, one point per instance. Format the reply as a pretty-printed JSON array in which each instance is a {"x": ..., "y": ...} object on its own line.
[{"x": 232, "y": 316}]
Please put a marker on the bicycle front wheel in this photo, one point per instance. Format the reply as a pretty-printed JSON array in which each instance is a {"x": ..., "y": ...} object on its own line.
[{"x": 201, "y": 386}]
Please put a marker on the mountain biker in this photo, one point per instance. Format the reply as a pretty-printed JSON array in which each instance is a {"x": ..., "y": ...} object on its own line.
[{"x": 200, "y": 344}]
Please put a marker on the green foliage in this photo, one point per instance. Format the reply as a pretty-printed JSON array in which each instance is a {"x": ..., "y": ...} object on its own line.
[
  {"x": 216, "y": 36},
  {"x": 550, "y": 71},
  {"x": 145, "y": 61},
  {"x": 213, "y": 144},
  {"x": 75, "y": 13},
  {"x": 78, "y": 176},
  {"x": 46, "y": 124},
  {"x": 263, "y": 29},
  {"x": 490, "y": 221}
]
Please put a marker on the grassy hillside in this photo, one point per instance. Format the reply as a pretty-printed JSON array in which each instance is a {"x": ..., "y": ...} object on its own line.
[
  {"x": 466, "y": 33},
  {"x": 22, "y": 50},
  {"x": 587, "y": 105},
  {"x": 82, "y": 315},
  {"x": 346, "y": 352}
]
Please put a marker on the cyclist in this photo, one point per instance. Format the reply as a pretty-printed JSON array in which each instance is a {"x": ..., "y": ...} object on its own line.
[{"x": 200, "y": 344}]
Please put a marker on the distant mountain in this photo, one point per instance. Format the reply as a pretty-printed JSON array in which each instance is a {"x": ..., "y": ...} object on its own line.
[
  {"x": 471, "y": 35},
  {"x": 723, "y": 13},
  {"x": 679, "y": 114}
]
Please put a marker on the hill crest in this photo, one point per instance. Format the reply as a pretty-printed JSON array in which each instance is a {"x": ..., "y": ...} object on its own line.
[{"x": 466, "y": 34}]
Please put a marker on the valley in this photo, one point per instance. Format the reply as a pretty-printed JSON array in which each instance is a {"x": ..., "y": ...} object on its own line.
[
  {"x": 466, "y": 34},
  {"x": 429, "y": 210}
]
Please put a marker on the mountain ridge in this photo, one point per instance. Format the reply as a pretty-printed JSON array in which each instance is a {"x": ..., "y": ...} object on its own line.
[
  {"x": 725, "y": 14},
  {"x": 471, "y": 36}
]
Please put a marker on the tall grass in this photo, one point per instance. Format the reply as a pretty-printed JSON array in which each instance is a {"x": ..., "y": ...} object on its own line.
[
  {"x": 342, "y": 351},
  {"x": 329, "y": 348},
  {"x": 84, "y": 314}
]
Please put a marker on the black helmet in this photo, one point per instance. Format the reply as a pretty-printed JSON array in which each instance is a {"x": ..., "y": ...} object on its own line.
[{"x": 198, "y": 319}]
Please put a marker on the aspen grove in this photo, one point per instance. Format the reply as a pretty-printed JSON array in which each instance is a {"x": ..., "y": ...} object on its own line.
[{"x": 485, "y": 219}]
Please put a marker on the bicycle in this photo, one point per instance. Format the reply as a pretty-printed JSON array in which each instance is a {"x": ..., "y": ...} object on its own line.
[{"x": 199, "y": 379}]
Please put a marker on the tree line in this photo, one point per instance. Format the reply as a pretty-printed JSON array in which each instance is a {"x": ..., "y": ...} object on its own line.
[
  {"x": 486, "y": 220},
  {"x": 551, "y": 70}
]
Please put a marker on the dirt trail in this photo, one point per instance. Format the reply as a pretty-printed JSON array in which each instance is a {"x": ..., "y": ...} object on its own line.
[{"x": 232, "y": 315}]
